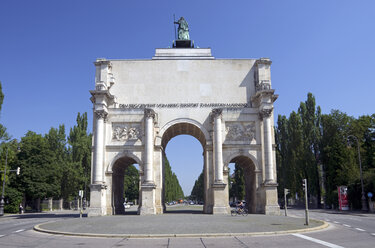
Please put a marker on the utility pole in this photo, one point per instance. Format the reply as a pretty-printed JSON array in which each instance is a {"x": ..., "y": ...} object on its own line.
[
  {"x": 304, "y": 184},
  {"x": 286, "y": 191}
]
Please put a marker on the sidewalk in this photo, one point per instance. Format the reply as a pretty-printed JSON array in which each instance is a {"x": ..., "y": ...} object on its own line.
[{"x": 179, "y": 225}]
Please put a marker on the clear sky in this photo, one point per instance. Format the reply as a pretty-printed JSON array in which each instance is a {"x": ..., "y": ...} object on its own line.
[{"x": 47, "y": 48}]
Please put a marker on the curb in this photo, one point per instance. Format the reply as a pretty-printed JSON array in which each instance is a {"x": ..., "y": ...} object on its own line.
[{"x": 182, "y": 235}]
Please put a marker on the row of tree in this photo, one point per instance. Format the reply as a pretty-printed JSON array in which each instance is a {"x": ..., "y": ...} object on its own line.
[
  {"x": 57, "y": 165},
  {"x": 322, "y": 148},
  {"x": 52, "y": 165},
  {"x": 172, "y": 187}
]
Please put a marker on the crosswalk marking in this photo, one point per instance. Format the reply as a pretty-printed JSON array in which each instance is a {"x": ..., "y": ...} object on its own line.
[{"x": 317, "y": 241}]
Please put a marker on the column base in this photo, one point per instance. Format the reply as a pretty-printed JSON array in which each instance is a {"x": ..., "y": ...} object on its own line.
[
  {"x": 97, "y": 200},
  {"x": 221, "y": 204},
  {"x": 271, "y": 206},
  {"x": 148, "y": 199}
]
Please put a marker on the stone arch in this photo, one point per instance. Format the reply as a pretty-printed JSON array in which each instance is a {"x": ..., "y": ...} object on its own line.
[
  {"x": 182, "y": 126},
  {"x": 125, "y": 154},
  {"x": 246, "y": 161},
  {"x": 231, "y": 156},
  {"x": 117, "y": 170}
]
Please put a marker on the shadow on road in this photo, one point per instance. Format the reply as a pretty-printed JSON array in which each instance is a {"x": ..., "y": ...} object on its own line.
[
  {"x": 183, "y": 211},
  {"x": 48, "y": 215}
]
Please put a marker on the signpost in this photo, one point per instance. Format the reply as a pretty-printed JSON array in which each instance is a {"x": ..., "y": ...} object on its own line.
[
  {"x": 80, "y": 193},
  {"x": 304, "y": 184},
  {"x": 286, "y": 191},
  {"x": 371, "y": 206}
]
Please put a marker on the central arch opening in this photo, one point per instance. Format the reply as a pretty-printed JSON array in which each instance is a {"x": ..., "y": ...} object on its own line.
[{"x": 184, "y": 154}]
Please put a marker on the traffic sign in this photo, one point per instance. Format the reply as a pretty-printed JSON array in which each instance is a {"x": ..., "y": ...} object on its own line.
[{"x": 369, "y": 194}]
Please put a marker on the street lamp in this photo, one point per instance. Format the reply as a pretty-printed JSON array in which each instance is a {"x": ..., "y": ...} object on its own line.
[{"x": 363, "y": 198}]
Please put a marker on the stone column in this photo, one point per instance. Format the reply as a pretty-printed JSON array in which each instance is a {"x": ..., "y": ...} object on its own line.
[
  {"x": 148, "y": 198},
  {"x": 99, "y": 147},
  {"x": 218, "y": 145},
  {"x": 266, "y": 115},
  {"x": 149, "y": 145}
]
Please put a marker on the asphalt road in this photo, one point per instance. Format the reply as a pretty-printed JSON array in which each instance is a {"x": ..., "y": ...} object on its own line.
[{"x": 346, "y": 230}]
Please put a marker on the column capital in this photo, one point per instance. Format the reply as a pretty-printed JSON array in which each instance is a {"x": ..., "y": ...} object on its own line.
[
  {"x": 265, "y": 113},
  {"x": 216, "y": 113},
  {"x": 101, "y": 114},
  {"x": 150, "y": 113}
]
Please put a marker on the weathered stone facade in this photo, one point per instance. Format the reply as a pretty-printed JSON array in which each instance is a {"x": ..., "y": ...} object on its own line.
[{"x": 139, "y": 105}]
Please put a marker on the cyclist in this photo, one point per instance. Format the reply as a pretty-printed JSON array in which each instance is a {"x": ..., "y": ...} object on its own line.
[{"x": 240, "y": 206}]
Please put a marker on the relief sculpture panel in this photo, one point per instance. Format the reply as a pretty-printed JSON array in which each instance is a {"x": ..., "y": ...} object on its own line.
[
  {"x": 126, "y": 131},
  {"x": 240, "y": 131}
]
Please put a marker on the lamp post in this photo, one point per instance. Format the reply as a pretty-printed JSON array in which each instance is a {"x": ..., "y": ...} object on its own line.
[{"x": 363, "y": 198}]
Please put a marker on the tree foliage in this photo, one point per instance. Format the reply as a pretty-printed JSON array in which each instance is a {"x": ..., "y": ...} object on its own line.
[
  {"x": 237, "y": 183},
  {"x": 197, "y": 193},
  {"x": 314, "y": 146},
  {"x": 52, "y": 165},
  {"x": 131, "y": 183},
  {"x": 172, "y": 188}
]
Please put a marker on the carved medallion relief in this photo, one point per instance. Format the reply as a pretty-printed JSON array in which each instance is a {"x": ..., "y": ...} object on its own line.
[
  {"x": 126, "y": 131},
  {"x": 240, "y": 131}
]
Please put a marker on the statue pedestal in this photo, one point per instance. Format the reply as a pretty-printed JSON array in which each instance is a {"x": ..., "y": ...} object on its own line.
[{"x": 183, "y": 44}]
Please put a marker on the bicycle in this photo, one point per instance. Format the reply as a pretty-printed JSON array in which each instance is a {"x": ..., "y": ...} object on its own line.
[{"x": 239, "y": 211}]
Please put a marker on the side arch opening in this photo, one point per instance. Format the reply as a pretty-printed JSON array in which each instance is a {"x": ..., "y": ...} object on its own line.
[
  {"x": 125, "y": 186},
  {"x": 243, "y": 176}
]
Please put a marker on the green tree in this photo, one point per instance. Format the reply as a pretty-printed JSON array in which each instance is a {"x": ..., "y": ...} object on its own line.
[
  {"x": 79, "y": 170},
  {"x": 172, "y": 188},
  {"x": 3, "y": 133},
  {"x": 131, "y": 183},
  {"x": 39, "y": 177},
  {"x": 56, "y": 142},
  {"x": 238, "y": 185},
  {"x": 13, "y": 197},
  {"x": 310, "y": 119},
  {"x": 197, "y": 192},
  {"x": 338, "y": 160}
]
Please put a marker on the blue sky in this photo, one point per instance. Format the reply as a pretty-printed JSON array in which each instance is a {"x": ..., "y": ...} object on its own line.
[{"x": 47, "y": 49}]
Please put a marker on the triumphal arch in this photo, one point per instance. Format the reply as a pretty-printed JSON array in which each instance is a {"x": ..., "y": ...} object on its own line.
[{"x": 140, "y": 104}]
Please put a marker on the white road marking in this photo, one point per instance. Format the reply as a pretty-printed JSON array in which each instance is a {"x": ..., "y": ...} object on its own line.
[
  {"x": 2, "y": 236},
  {"x": 336, "y": 222},
  {"x": 317, "y": 241},
  {"x": 373, "y": 234},
  {"x": 346, "y": 225},
  {"x": 359, "y": 229},
  {"x": 21, "y": 230},
  {"x": 328, "y": 220}
]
